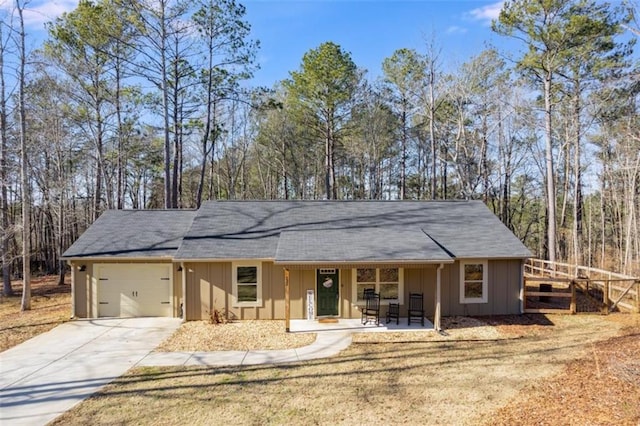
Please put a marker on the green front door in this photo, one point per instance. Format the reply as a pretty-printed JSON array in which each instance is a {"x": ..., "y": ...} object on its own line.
[{"x": 328, "y": 292}]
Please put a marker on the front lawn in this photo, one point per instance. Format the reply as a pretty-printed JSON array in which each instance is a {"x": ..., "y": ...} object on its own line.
[{"x": 395, "y": 379}]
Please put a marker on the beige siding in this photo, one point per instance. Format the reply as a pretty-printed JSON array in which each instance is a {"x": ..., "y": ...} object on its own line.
[
  {"x": 504, "y": 280},
  {"x": 209, "y": 286},
  {"x": 86, "y": 285},
  {"x": 177, "y": 290},
  {"x": 421, "y": 280},
  {"x": 416, "y": 280},
  {"x": 81, "y": 296},
  {"x": 207, "y": 290},
  {"x": 449, "y": 295},
  {"x": 347, "y": 308}
]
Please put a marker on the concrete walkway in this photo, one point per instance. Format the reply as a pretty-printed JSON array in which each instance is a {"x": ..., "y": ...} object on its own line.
[
  {"x": 326, "y": 344},
  {"x": 49, "y": 374},
  {"x": 331, "y": 339}
]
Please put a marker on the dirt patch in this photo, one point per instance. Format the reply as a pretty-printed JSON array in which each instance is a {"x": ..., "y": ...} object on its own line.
[
  {"x": 50, "y": 306},
  {"x": 234, "y": 336},
  {"x": 461, "y": 379}
]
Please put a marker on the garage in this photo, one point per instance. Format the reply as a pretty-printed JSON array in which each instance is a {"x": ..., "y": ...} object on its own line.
[{"x": 134, "y": 290}]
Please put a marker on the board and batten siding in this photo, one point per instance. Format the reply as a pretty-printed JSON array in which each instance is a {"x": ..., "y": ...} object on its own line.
[
  {"x": 209, "y": 286},
  {"x": 504, "y": 282},
  {"x": 85, "y": 298}
]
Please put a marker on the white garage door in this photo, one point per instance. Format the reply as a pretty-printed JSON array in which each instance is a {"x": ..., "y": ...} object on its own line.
[{"x": 134, "y": 290}]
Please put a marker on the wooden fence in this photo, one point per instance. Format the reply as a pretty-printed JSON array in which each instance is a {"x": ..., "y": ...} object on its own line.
[{"x": 554, "y": 287}]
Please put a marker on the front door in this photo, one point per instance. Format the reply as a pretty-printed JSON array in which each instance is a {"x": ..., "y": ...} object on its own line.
[{"x": 328, "y": 292}]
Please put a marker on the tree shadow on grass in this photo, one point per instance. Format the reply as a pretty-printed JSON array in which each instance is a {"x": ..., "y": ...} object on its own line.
[{"x": 522, "y": 320}]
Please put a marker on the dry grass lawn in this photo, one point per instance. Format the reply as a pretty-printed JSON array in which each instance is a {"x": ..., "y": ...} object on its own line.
[
  {"x": 465, "y": 378},
  {"x": 50, "y": 306}
]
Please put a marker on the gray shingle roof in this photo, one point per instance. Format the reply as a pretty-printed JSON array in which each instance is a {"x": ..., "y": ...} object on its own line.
[
  {"x": 133, "y": 234},
  {"x": 298, "y": 231},
  {"x": 358, "y": 245}
]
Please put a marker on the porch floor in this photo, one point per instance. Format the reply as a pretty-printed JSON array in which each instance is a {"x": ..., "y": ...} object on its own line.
[{"x": 356, "y": 326}]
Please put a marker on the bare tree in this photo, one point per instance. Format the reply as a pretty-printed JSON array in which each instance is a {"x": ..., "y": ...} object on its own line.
[
  {"x": 24, "y": 168},
  {"x": 4, "y": 205}
]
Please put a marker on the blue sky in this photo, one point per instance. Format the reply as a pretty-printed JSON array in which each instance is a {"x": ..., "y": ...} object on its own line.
[{"x": 370, "y": 30}]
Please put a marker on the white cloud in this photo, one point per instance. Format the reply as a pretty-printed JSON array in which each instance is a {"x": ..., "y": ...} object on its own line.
[
  {"x": 36, "y": 13},
  {"x": 486, "y": 13},
  {"x": 454, "y": 29}
]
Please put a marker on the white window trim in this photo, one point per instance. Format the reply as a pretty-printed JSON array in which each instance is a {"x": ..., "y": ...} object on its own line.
[
  {"x": 354, "y": 287},
  {"x": 485, "y": 281},
  {"x": 234, "y": 273}
]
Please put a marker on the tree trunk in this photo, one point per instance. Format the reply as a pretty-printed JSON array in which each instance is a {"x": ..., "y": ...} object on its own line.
[
  {"x": 484, "y": 162},
  {"x": 177, "y": 130},
  {"x": 97, "y": 196},
  {"x": 550, "y": 174},
  {"x": 432, "y": 131},
  {"x": 210, "y": 119},
  {"x": 60, "y": 242},
  {"x": 165, "y": 106},
  {"x": 176, "y": 160},
  {"x": 632, "y": 169},
  {"x": 24, "y": 175},
  {"x": 7, "y": 290},
  {"x": 403, "y": 152},
  {"x": 577, "y": 198},
  {"x": 120, "y": 164},
  {"x": 328, "y": 162}
]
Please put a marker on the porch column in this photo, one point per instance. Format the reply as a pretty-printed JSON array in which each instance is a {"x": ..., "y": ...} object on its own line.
[
  {"x": 436, "y": 316},
  {"x": 287, "y": 306}
]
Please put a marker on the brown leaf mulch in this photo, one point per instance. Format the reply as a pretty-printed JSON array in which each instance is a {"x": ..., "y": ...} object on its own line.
[{"x": 602, "y": 388}]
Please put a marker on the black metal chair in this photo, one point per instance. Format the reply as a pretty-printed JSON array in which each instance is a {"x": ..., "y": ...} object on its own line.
[
  {"x": 393, "y": 312},
  {"x": 415, "y": 312},
  {"x": 371, "y": 310}
]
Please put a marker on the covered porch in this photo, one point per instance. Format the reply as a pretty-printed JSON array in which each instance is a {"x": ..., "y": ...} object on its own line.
[
  {"x": 349, "y": 260},
  {"x": 348, "y": 313}
]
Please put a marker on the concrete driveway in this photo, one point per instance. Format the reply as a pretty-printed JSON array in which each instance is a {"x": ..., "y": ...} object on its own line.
[{"x": 47, "y": 375}]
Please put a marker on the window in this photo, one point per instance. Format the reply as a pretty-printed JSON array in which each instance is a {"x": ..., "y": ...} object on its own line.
[
  {"x": 386, "y": 281},
  {"x": 247, "y": 284},
  {"x": 473, "y": 281}
]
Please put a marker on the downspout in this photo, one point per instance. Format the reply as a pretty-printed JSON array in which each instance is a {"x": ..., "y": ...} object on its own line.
[
  {"x": 73, "y": 289},
  {"x": 184, "y": 292},
  {"x": 436, "y": 316}
]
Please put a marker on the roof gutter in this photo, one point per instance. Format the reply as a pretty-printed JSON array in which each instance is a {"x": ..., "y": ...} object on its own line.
[
  {"x": 368, "y": 262},
  {"x": 117, "y": 259}
]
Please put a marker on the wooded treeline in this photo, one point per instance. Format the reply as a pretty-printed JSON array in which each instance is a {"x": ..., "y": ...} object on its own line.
[{"x": 149, "y": 104}]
